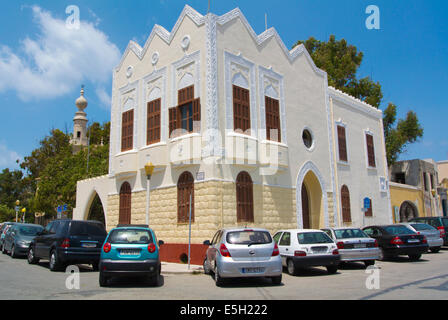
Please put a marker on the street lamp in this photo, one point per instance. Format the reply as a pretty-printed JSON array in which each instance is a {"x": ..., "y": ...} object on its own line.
[
  {"x": 149, "y": 168},
  {"x": 17, "y": 208}
]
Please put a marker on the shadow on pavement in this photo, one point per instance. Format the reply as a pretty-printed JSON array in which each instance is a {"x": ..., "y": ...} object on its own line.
[
  {"x": 252, "y": 282},
  {"x": 134, "y": 282}
]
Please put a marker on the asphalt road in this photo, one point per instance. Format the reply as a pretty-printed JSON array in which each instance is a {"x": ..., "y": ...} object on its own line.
[{"x": 398, "y": 279}]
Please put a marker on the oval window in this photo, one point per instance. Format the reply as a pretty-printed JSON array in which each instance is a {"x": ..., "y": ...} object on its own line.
[{"x": 307, "y": 138}]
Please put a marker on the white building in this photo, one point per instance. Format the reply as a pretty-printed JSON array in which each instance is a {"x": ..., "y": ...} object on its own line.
[{"x": 215, "y": 77}]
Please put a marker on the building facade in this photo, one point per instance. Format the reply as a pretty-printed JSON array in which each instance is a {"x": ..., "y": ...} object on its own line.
[{"x": 247, "y": 129}]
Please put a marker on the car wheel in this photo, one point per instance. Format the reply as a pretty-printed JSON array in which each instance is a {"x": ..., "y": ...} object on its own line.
[
  {"x": 3, "y": 249},
  {"x": 414, "y": 257},
  {"x": 54, "y": 261},
  {"x": 435, "y": 249},
  {"x": 31, "y": 258},
  {"x": 292, "y": 270},
  {"x": 103, "y": 280},
  {"x": 369, "y": 263},
  {"x": 206, "y": 267},
  {"x": 383, "y": 256},
  {"x": 277, "y": 280},
  {"x": 332, "y": 269},
  {"x": 13, "y": 252},
  {"x": 218, "y": 280}
]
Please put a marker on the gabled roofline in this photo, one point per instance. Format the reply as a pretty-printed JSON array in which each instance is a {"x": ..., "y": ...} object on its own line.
[{"x": 354, "y": 102}]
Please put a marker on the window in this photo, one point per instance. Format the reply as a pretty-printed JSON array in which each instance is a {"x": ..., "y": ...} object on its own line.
[
  {"x": 369, "y": 212},
  {"x": 286, "y": 239},
  {"x": 244, "y": 198},
  {"x": 272, "y": 119},
  {"x": 185, "y": 188},
  {"x": 124, "y": 215},
  {"x": 277, "y": 237},
  {"x": 313, "y": 238},
  {"x": 153, "y": 122},
  {"x": 342, "y": 143},
  {"x": 307, "y": 138},
  {"x": 370, "y": 151},
  {"x": 425, "y": 181},
  {"x": 345, "y": 201},
  {"x": 248, "y": 237},
  {"x": 186, "y": 113},
  {"x": 400, "y": 177},
  {"x": 78, "y": 134},
  {"x": 241, "y": 109},
  {"x": 127, "y": 130}
]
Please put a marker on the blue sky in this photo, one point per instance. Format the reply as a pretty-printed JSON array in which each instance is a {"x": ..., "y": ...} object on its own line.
[{"x": 42, "y": 64}]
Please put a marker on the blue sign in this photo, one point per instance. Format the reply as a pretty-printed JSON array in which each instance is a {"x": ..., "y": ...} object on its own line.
[
  {"x": 366, "y": 203},
  {"x": 64, "y": 208},
  {"x": 59, "y": 208}
]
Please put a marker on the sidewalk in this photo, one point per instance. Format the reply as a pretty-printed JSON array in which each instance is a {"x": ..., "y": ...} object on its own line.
[{"x": 180, "y": 268}]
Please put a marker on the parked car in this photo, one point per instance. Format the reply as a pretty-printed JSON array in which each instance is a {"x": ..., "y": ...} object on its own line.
[
  {"x": 395, "y": 240},
  {"x": 242, "y": 252},
  {"x": 130, "y": 251},
  {"x": 18, "y": 238},
  {"x": 65, "y": 242},
  {"x": 354, "y": 245},
  {"x": 440, "y": 223},
  {"x": 3, "y": 231},
  {"x": 433, "y": 236},
  {"x": 302, "y": 248}
]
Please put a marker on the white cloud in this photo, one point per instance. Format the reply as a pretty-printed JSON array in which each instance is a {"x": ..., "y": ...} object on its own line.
[
  {"x": 58, "y": 60},
  {"x": 8, "y": 157},
  {"x": 104, "y": 97}
]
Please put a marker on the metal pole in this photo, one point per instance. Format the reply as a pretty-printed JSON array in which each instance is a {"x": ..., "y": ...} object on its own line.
[
  {"x": 189, "y": 236},
  {"x": 148, "y": 185}
]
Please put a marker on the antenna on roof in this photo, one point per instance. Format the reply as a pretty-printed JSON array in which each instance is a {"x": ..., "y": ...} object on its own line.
[{"x": 208, "y": 9}]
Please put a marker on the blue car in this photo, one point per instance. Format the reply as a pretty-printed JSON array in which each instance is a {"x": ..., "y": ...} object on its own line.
[{"x": 130, "y": 250}]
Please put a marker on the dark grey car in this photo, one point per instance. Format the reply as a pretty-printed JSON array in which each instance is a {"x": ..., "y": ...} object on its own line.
[{"x": 18, "y": 238}]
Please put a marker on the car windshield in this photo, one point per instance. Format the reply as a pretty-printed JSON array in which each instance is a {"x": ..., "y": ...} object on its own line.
[
  {"x": 130, "y": 236},
  {"x": 30, "y": 230},
  {"x": 248, "y": 237},
  {"x": 422, "y": 226},
  {"x": 398, "y": 230},
  {"x": 86, "y": 228},
  {"x": 350, "y": 233},
  {"x": 313, "y": 238}
]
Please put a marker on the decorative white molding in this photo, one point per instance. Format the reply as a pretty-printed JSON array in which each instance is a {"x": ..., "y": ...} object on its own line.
[
  {"x": 341, "y": 123},
  {"x": 128, "y": 99},
  {"x": 189, "y": 64},
  {"x": 355, "y": 103}
]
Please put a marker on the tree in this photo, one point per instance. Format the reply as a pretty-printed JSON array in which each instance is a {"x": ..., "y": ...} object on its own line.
[{"x": 341, "y": 62}]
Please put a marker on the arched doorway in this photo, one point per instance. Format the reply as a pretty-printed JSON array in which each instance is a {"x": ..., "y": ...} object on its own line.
[
  {"x": 408, "y": 211},
  {"x": 124, "y": 216},
  {"x": 305, "y": 208},
  {"x": 96, "y": 211}
]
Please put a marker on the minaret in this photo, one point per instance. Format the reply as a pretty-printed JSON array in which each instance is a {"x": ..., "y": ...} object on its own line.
[{"x": 80, "y": 123}]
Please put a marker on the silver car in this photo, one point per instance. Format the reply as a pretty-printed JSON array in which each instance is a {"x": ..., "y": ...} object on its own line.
[
  {"x": 435, "y": 241},
  {"x": 355, "y": 245},
  {"x": 243, "y": 252}
]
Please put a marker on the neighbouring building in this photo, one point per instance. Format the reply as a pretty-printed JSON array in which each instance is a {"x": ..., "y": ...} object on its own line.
[
  {"x": 415, "y": 191},
  {"x": 246, "y": 128}
]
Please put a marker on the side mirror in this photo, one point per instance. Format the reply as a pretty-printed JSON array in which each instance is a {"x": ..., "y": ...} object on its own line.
[
  {"x": 207, "y": 243},
  {"x": 161, "y": 242}
]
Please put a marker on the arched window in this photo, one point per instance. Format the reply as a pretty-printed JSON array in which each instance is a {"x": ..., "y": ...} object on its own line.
[
  {"x": 124, "y": 216},
  {"x": 185, "y": 188},
  {"x": 345, "y": 200},
  {"x": 244, "y": 198}
]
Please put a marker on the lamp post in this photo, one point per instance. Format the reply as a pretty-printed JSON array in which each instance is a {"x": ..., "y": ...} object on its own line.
[
  {"x": 149, "y": 168},
  {"x": 17, "y": 208}
]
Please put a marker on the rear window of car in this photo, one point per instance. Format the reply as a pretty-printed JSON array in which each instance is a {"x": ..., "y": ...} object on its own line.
[
  {"x": 30, "y": 230},
  {"x": 248, "y": 237},
  {"x": 130, "y": 236},
  {"x": 398, "y": 230},
  {"x": 86, "y": 228},
  {"x": 313, "y": 238},
  {"x": 445, "y": 222},
  {"x": 422, "y": 226},
  {"x": 350, "y": 233}
]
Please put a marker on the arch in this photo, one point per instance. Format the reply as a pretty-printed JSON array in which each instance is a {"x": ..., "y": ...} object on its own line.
[
  {"x": 154, "y": 94},
  {"x": 408, "y": 210},
  {"x": 305, "y": 207},
  {"x": 271, "y": 92},
  {"x": 186, "y": 81},
  {"x": 240, "y": 81},
  {"x": 96, "y": 211},
  {"x": 124, "y": 215},
  {"x": 244, "y": 198},
  {"x": 315, "y": 184},
  {"x": 345, "y": 204},
  {"x": 86, "y": 193},
  {"x": 185, "y": 188}
]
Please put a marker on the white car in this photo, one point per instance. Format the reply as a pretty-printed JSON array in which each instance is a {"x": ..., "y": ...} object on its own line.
[{"x": 301, "y": 248}]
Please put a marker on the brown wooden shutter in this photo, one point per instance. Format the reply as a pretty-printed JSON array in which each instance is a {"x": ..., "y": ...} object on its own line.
[
  {"x": 241, "y": 109},
  {"x": 196, "y": 115},
  {"x": 244, "y": 198},
  {"x": 185, "y": 187},
  {"x": 124, "y": 215},
  {"x": 173, "y": 123},
  {"x": 127, "y": 130},
  {"x": 272, "y": 118},
  {"x": 342, "y": 144},
  {"x": 345, "y": 200},
  {"x": 370, "y": 150},
  {"x": 153, "y": 122},
  {"x": 185, "y": 95}
]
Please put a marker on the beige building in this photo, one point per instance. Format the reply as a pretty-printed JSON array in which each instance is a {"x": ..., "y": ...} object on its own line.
[{"x": 249, "y": 129}]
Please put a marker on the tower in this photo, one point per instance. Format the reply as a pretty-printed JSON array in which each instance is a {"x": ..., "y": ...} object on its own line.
[{"x": 80, "y": 123}]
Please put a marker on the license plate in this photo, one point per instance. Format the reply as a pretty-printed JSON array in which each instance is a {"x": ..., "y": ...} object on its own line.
[
  {"x": 359, "y": 245},
  {"x": 320, "y": 250},
  {"x": 88, "y": 245},
  {"x": 253, "y": 270},
  {"x": 129, "y": 252},
  {"x": 413, "y": 241}
]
